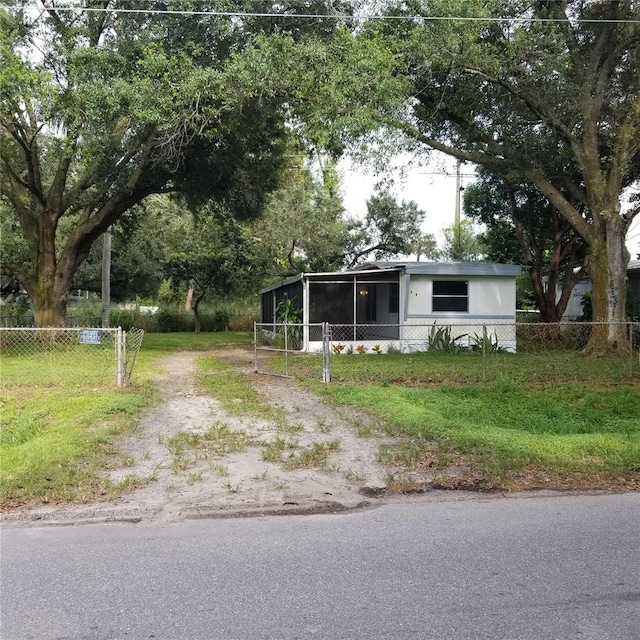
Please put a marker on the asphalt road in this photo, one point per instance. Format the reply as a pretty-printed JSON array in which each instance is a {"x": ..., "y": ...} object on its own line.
[{"x": 482, "y": 568}]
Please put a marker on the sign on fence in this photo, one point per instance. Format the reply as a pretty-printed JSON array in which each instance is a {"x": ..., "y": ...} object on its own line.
[{"x": 90, "y": 336}]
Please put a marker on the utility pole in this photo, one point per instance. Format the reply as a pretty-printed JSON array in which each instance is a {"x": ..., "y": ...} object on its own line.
[
  {"x": 456, "y": 223},
  {"x": 106, "y": 277}
]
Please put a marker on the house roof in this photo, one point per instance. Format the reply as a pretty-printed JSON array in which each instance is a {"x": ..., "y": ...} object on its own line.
[
  {"x": 449, "y": 268},
  {"x": 418, "y": 268}
]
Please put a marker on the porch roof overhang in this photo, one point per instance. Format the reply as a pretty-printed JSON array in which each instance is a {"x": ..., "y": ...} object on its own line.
[{"x": 323, "y": 275}]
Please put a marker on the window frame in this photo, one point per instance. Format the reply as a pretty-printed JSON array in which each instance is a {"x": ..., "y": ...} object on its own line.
[{"x": 457, "y": 301}]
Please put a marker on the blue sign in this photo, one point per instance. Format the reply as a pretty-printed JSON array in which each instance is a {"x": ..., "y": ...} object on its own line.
[{"x": 90, "y": 336}]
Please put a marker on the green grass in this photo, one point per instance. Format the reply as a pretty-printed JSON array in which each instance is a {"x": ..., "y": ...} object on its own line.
[
  {"x": 566, "y": 417},
  {"x": 53, "y": 444},
  {"x": 163, "y": 342},
  {"x": 231, "y": 388},
  {"x": 61, "y": 412},
  {"x": 69, "y": 369},
  {"x": 419, "y": 369},
  {"x": 570, "y": 428}
]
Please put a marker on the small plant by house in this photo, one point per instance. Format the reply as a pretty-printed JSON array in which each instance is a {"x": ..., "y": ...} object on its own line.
[
  {"x": 488, "y": 343},
  {"x": 290, "y": 328},
  {"x": 441, "y": 339}
]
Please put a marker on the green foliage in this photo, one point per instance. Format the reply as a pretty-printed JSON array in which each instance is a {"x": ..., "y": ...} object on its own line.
[
  {"x": 213, "y": 251},
  {"x": 509, "y": 93},
  {"x": 288, "y": 312},
  {"x": 388, "y": 230},
  {"x": 462, "y": 243},
  {"x": 523, "y": 227},
  {"x": 488, "y": 343},
  {"x": 441, "y": 339},
  {"x": 303, "y": 226},
  {"x": 118, "y": 106}
]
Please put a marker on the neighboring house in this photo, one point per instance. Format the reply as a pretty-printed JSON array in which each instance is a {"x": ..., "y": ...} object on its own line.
[
  {"x": 396, "y": 304},
  {"x": 633, "y": 288},
  {"x": 574, "y": 310}
]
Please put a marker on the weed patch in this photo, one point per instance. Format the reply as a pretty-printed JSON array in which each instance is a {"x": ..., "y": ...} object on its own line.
[
  {"x": 314, "y": 456},
  {"x": 232, "y": 389}
]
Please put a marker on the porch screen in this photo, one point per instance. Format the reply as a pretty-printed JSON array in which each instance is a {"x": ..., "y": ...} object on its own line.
[
  {"x": 450, "y": 295},
  {"x": 267, "y": 308},
  {"x": 331, "y": 302}
]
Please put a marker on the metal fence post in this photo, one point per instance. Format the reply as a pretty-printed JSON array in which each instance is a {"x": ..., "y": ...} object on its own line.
[
  {"x": 326, "y": 353},
  {"x": 484, "y": 352},
  {"x": 255, "y": 347},
  {"x": 125, "y": 357},
  {"x": 119, "y": 357},
  {"x": 286, "y": 350},
  {"x": 631, "y": 349}
]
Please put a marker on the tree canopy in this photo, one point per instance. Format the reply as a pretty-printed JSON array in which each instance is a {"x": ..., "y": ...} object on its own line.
[
  {"x": 496, "y": 89},
  {"x": 101, "y": 108}
]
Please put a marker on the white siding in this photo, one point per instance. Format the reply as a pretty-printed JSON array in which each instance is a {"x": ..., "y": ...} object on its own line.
[
  {"x": 419, "y": 295},
  {"x": 492, "y": 297},
  {"x": 489, "y": 297}
]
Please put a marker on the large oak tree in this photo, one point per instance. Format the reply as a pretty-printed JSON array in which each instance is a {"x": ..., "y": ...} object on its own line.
[
  {"x": 484, "y": 81},
  {"x": 106, "y": 103}
]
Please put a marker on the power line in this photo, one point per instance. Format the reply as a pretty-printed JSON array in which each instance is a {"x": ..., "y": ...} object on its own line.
[{"x": 318, "y": 16}]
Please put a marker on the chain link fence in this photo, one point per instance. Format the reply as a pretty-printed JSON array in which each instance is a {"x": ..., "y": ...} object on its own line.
[
  {"x": 287, "y": 339},
  {"x": 543, "y": 348},
  {"x": 49, "y": 356}
]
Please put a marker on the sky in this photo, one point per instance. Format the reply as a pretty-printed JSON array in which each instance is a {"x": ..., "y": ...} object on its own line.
[{"x": 431, "y": 186}]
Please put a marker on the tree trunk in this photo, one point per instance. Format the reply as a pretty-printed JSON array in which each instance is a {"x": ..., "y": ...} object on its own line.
[
  {"x": 608, "y": 269},
  {"x": 187, "y": 304},
  {"x": 49, "y": 298},
  {"x": 196, "y": 314}
]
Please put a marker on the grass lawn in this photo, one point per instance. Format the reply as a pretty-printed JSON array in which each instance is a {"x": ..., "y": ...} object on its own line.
[
  {"x": 164, "y": 342},
  {"x": 61, "y": 411},
  {"x": 540, "y": 422}
]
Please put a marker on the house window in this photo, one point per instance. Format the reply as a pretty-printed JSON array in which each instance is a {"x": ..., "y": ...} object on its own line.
[
  {"x": 450, "y": 295},
  {"x": 394, "y": 297}
]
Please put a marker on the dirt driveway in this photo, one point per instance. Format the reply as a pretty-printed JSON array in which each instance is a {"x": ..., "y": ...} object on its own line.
[{"x": 327, "y": 458}]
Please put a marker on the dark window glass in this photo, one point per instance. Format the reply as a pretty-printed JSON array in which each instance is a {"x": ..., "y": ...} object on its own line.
[
  {"x": 450, "y": 288},
  {"x": 331, "y": 302},
  {"x": 394, "y": 298},
  {"x": 366, "y": 303},
  {"x": 450, "y": 295}
]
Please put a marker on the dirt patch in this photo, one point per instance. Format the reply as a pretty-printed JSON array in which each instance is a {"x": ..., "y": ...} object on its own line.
[{"x": 177, "y": 478}]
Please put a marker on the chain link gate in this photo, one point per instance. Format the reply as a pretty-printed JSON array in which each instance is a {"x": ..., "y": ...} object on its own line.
[{"x": 289, "y": 339}]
